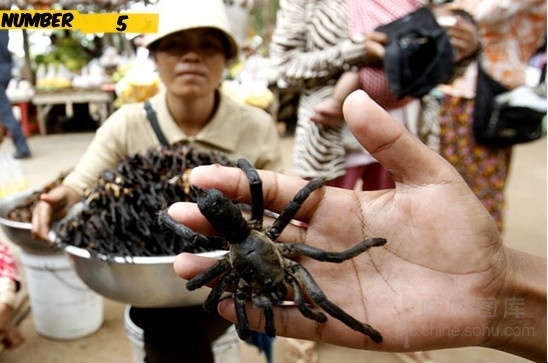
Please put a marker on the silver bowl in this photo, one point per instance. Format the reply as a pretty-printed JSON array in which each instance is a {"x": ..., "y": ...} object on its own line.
[
  {"x": 138, "y": 281},
  {"x": 19, "y": 233}
]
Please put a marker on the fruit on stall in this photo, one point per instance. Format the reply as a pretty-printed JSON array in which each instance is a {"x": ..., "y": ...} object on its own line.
[
  {"x": 56, "y": 67},
  {"x": 67, "y": 51},
  {"x": 53, "y": 76},
  {"x": 139, "y": 81}
]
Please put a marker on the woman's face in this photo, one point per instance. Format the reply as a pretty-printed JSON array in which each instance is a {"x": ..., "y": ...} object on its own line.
[{"x": 191, "y": 62}]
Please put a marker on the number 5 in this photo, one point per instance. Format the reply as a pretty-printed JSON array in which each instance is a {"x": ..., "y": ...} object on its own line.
[{"x": 122, "y": 26}]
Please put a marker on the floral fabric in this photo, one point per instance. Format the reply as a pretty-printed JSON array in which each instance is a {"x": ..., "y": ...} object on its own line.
[
  {"x": 510, "y": 33},
  {"x": 7, "y": 263},
  {"x": 484, "y": 169}
]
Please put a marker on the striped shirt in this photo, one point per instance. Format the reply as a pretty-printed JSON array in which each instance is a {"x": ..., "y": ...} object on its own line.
[{"x": 310, "y": 48}]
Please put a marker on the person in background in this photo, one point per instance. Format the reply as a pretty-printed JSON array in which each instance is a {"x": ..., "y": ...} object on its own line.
[
  {"x": 444, "y": 278},
  {"x": 310, "y": 49},
  {"x": 10, "y": 337},
  {"x": 364, "y": 16},
  {"x": 191, "y": 50},
  {"x": 510, "y": 32},
  {"x": 360, "y": 165},
  {"x": 22, "y": 149}
]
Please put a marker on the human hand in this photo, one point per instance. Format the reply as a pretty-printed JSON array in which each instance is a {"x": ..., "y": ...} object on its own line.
[
  {"x": 374, "y": 47},
  {"x": 52, "y": 205},
  {"x": 328, "y": 113},
  {"x": 10, "y": 336},
  {"x": 463, "y": 33},
  {"x": 425, "y": 288}
]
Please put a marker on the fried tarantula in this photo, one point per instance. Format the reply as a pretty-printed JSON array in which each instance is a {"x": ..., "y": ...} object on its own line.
[{"x": 257, "y": 266}]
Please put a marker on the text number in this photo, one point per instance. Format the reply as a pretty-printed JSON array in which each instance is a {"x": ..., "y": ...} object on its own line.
[{"x": 122, "y": 26}]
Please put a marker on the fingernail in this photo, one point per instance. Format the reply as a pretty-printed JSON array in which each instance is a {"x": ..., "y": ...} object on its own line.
[
  {"x": 174, "y": 207},
  {"x": 224, "y": 305},
  {"x": 201, "y": 169}
]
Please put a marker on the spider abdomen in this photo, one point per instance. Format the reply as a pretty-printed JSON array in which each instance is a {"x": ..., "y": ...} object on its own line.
[{"x": 258, "y": 262}]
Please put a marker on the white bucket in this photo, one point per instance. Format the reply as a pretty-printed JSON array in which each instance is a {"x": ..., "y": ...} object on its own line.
[
  {"x": 63, "y": 307},
  {"x": 135, "y": 334}
]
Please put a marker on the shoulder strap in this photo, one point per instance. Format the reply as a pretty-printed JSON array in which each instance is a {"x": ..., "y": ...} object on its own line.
[{"x": 153, "y": 119}]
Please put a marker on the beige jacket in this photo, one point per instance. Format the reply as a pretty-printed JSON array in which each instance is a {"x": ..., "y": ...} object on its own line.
[{"x": 235, "y": 129}]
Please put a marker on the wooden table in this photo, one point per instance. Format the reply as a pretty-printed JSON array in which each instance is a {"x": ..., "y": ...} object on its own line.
[{"x": 45, "y": 100}]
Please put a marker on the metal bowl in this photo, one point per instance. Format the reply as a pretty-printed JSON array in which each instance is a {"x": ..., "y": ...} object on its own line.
[
  {"x": 19, "y": 233},
  {"x": 138, "y": 281}
]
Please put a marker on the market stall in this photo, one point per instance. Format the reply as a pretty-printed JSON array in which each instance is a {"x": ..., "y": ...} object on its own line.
[
  {"x": 67, "y": 68},
  {"x": 44, "y": 101}
]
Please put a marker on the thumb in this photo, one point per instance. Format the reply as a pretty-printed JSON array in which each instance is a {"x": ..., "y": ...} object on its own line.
[
  {"x": 407, "y": 159},
  {"x": 53, "y": 196}
]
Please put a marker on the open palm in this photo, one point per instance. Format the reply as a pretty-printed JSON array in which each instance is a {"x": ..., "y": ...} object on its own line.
[{"x": 440, "y": 268}]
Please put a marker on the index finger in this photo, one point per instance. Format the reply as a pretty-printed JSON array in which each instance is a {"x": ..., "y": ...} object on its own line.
[
  {"x": 278, "y": 189},
  {"x": 378, "y": 37}
]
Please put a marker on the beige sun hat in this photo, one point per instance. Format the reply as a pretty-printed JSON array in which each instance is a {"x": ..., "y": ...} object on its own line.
[{"x": 179, "y": 15}]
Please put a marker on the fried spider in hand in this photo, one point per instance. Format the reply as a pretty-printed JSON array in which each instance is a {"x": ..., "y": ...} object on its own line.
[{"x": 257, "y": 266}]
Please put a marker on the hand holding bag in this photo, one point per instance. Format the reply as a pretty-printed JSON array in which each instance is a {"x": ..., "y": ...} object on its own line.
[{"x": 418, "y": 56}]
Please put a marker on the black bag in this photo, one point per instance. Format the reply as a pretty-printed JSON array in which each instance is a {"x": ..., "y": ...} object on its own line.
[
  {"x": 502, "y": 125},
  {"x": 418, "y": 55}
]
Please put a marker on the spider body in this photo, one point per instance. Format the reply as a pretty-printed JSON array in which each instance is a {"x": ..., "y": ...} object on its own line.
[
  {"x": 259, "y": 263},
  {"x": 259, "y": 268}
]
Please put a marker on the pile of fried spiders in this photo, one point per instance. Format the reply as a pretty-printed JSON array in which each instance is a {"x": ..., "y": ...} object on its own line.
[{"x": 259, "y": 268}]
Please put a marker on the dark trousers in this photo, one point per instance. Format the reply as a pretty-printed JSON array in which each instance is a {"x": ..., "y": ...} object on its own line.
[
  {"x": 179, "y": 335},
  {"x": 7, "y": 118}
]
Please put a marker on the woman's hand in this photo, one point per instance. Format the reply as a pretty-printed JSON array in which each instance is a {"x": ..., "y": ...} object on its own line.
[
  {"x": 328, "y": 113},
  {"x": 10, "y": 336},
  {"x": 374, "y": 48},
  {"x": 52, "y": 206},
  {"x": 463, "y": 33},
  {"x": 435, "y": 284}
]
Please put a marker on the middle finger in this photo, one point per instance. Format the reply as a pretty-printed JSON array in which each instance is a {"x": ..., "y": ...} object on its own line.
[
  {"x": 278, "y": 189},
  {"x": 188, "y": 214}
]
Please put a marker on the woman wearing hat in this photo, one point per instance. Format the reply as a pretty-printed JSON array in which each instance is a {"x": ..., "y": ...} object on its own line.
[{"x": 191, "y": 51}]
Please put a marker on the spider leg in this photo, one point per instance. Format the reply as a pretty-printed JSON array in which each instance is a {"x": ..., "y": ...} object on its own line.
[
  {"x": 208, "y": 274},
  {"x": 192, "y": 239},
  {"x": 210, "y": 305},
  {"x": 256, "y": 188},
  {"x": 299, "y": 300},
  {"x": 291, "y": 249},
  {"x": 242, "y": 324},
  {"x": 265, "y": 303},
  {"x": 319, "y": 298},
  {"x": 293, "y": 207},
  {"x": 222, "y": 213}
]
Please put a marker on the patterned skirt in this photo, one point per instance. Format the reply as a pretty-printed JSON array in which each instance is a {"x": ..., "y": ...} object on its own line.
[{"x": 483, "y": 168}]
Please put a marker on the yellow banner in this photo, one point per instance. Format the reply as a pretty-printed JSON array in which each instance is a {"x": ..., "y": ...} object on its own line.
[{"x": 73, "y": 20}]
